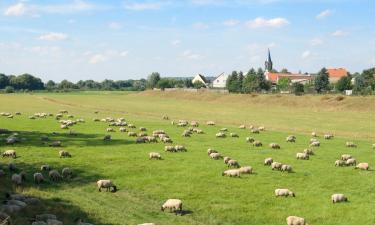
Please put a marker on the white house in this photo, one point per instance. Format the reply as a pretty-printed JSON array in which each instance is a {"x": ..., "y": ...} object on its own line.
[
  {"x": 200, "y": 78},
  {"x": 220, "y": 81}
]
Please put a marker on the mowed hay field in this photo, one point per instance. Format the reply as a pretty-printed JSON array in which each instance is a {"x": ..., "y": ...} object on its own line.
[{"x": 208, "y": 198}]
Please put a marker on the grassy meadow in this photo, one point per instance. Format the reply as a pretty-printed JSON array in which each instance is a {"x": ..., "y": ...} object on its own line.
[{"x": 208, "y": 198}]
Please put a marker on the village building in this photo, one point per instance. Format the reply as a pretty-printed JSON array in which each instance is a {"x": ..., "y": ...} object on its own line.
[
  {"x": 336, "y": 74},
  {"x": 220, "y": 81},
  {"x": 200, "y": 78}
]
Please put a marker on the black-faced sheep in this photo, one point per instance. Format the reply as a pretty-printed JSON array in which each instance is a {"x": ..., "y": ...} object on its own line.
[
  {"x": 107, "y": 184},
  {"x": 268, "y": 161},
  {"x": 64, "y": 154},
  {"x": 338, "y": 198}
]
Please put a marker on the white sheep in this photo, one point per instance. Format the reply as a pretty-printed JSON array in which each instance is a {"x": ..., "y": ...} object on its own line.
[
  {"x": 286, "y": 168},
  {"x": 308, "y": 151},
  {"x": 233, "y": 163},
  {"x": 351, "y": 162},
  {"x": 246, "y": 169},
  {"x": 268, "y": 161},
  {"x": 67, "y": 172},
  {"x": 210, "y": 123},
  {"x": 215, "y": 155},
  {"x": 276, "y": 166},
  {"x": 10, "y": 153},
  {"x": 38, "y": 178},
  {"x": 234, "y": 135},
  {"x": 338, "y": 198},
  {"x": 180, "y": 148},
  {"x": 346, "y": 157},
  {"x": 170, "y": 148},
  {"x": 284, "y": 192},
  {"x": 257, "y": 144},
  {"x": 154, "y": 155},
  {"x": 340, "y": 162},
  {"x": 328, "y": 136},
  {"x": 54, "y": 175},
  {"x": 313, "y": 134},
  {"x": 315, "y": 144},
  {"x": 64, "y": 154},
  {"x": 108, "y": 184},
  {"x": 303, "y": 156},
  {"x": 226, "y": 159},
  {"x": 250, "y": 139},
  {"x": 274, "y": 146},
  {"x": 291, "y": 138},
  {"x": 173, "y": 205},
  {"x": 350, "y": 145},
  {"x": 220, "y": 135},
  {"x": 362, "y": 166},
  {"x": 295, "y": 220},
  {"x": 242, "y": 126},
  {"x": 232, "y": 173}
]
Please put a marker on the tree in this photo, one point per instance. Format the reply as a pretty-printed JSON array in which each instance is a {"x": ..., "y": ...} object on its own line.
[
  {"x": 297, "y": 88},
  {"x": 153, "y": 79},
  {"x": 188, "y": 83},
  {"x": 50, "y": 85},
  {"x": 285, "y": 70},
  {"x": 164, "y": 83},
  {"x": 9, "y": 89},
  {"x": 283, "y": 83},
  {"x": 322, "y": 81},
  {"x": 65, "y": 85},
  {"x": 345, "y": 83},
  {"x": 233, "y": 82},
  {"x": 4, "y": 81},
  {"x": 198, "y": 85}
]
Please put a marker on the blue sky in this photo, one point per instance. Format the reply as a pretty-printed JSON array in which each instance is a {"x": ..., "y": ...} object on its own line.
[{"x": 128, "y": 39}]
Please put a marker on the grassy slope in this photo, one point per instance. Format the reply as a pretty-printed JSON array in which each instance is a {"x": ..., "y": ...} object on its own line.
[{"x": 192, "y": 176}]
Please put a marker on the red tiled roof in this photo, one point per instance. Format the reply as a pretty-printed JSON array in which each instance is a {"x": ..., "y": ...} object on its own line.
[
  {"x": 276, "y": 76},
  {"x": 339, "y": 72}
]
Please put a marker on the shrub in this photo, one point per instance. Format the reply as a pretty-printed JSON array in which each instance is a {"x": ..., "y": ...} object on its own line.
[{"x": 9, "y": 89}]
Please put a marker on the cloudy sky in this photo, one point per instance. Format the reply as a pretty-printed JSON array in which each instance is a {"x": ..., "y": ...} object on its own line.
[{"x": 128, "y": 39}]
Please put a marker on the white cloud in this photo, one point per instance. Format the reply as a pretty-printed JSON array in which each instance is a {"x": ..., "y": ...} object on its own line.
[
  {"x": 339, "y": 33},
  {"x": 18, "y": 9},
  {"x": 124, "y": 53},
  {"x": 44, "y": 50},
  {"x": 114, "y": 26},
  {"x": 53, "y": 37},
  {"x": 316, "y": 42},
  {"x": 324, "y": 14},
  {"x": 188, "y": 54},
  {"x": 143, "y": 6},
  {"x": 273, "y": 23},
  {"x": 200, "y": 26},
  {"x": 97, "y": 58},
  {"x": 306, "y": 54},
  {"x": 175, "y": 42},
  {"x": 231, "y": 23}
]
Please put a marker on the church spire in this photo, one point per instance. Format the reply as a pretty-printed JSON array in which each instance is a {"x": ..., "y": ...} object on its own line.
[{"x": 268, "y": 64}]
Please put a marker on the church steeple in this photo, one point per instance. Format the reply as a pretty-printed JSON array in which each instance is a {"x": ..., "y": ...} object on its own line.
[{"x": 268, "y": 64}]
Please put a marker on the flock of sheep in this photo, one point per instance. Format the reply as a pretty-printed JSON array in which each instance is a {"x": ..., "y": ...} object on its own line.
[{"x": 17, "y": 202}]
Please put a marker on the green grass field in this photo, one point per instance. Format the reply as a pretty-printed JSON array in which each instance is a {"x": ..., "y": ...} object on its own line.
[{"x": 192, "y": 176}]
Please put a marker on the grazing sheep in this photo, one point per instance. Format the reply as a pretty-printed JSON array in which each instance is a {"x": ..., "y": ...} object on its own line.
[
  {"x": 210, "y": 150},
  {"x": 215, "y": 156},
  {"x": 165, "y": 117},
  {"x": 373, "y": 146},
  {"x": 180, "y": 148},
  {"x": 242, "y": 126},
  {"x": 234, "y": 135},
  {"x": 220, "y": 135},
  {"x": 295, "y": 220},
  {"x": 166, "y": 140},
  {"x": 110, "y": 129},
  {"x": 362, "y": 166},
  {"x": 10, "y": 153},
  {"x": 255, "y": 131},
  {"x": 107, "y": 184},
  {"x": 17, "y": 179},
  {"x": 151, "y": 139},
  {"x": 268, "y": 161},
  {"x": 154, "y": 155},
  {"x": 64, "y": 154},
  {"x": 350, "y": 145},
  {"x": 232, "y": 173},
  {"x": 313, "y": 134},
  {"x": 54, "y": 175},
  {"x": 274, "y": 146},
  {"x": 194, "y": 123},
  {"x": 261, "y": 128},
  {"x": 170, "y": 148},
  {"x": 210, "y": 123},
  {"x": 302, "y": 156},
  {"x": 107, "y": 138},
  {"x": 276, "y": 166},
  {"x": 132, "y": 134},
  {"x": 315, "y": 144},
  {"x": 55, "y": 144},
  {"x": 250, "y": 139},
  {"x": 246, "y": 169},
  {"x": 340, "y": 162},
  {"x": 142, "y": 129},
  {"x": 174, "y": 205},
  {"x": 140, "y": 140},
  {"x": 291, "y": 138},
  {"x": 257, "y": 144},
  {"x": 67, "y": 173},
  {"x": 186, "y": 134},
  {"x": 226, "y": 159},
  {"x": 233, "y": 163},
  {"x": 131, "y": 125},
  {"x": 346, "y": 157},
  {"x": 224, "y": 129},
  {"x": 351, "y": 162},
  {"x": 328, "y": 136},
  {"x": 38, "y": 178},
  {"x": 286, "y": 168},
  {"x": 122, "y": 129},
  {"x": 338, "y": 198},
  {"x": 142, "y": 134},
  {"x": 308, "y": 151},
  {"x": 198, "y": 131},
  {"x": 284, "y": 192}
]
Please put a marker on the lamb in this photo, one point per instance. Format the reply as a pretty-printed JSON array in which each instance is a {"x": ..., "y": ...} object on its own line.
[
  {"x": 64, "y": 154},
  {"x": 210, "y": 150},
  {"x": 308, "y": 151},
  {"x": 233, "y": 163},
  {"x": 284, "y": 192},
  {"x": 232, "y": 173},
  {"x": 350, "y": 145},
  {"x": 38, "y": 178},
  {"x": 220, "y": 135},
  {"x": 295, "y": 220},
  {"x": 340, "y": 162},
  {"x": 173, "y": 205},
  {"x": 67, "y": 173},
  {"x": 351, "y": 162},
  {"x": 226, "y": 159},
  {"x": 250, "y": 139},
  {"x": 286, "y": 168},
  {"x": 257, "y": 144},
  {"x": 108, "y": 184},
  {"x": 291, "y": 138},
  {"x": 276, "y": 166},
  {"x": 328, "y": 136},
  {"x": 10, "y": 153},
  {"x": 302, "y": 156},
  {"x": 274, "y": 146},
  {"x": 234, "y": 135},
  {"x": 268, "y": 161},
  {"x": 170, "y": 148},
  {"x": 215, "y": 156},
  {"x": 246, "y": 169},
  {"x": 54, "y": 175},
  {"x": 338, "y": 198},
  {"x": 346, "y": 157},
  {"x": 154, "y": 155},
  {"x": 315, "y": 144},
  {"x": 362, "y": 166}
]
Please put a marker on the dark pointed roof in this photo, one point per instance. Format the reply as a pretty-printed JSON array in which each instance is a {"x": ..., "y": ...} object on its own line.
[{"x": 269, "y": 56}]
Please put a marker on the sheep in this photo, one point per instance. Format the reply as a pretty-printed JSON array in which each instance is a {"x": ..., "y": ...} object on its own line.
[
  {"x": 242, "y": 126},
  {"x": 315, "y": 144},
  {"x": 10, "y": 153},
  {"x": 67, "y": 173},
  {"x": 54, "y": 175},
  {"x": 109, "y": 129},
  {"x": 234, "y": 135},
  {"x": 220, "y": 135},
  {"x": 180, "y": 148},
  {"x": 274, "y": 146},
  {"x": 276, "y": 166},
  {"x": 186, "y": 134},
  {"x": 233, "y": 163},
  {"x": 284, "y": 192},
  {"x": 140, "y": 140},
  {"x": 362, "y": 166},
  {"x": 346, "y": 157},
  {"x": 166, "y": 140},
  {"x": 132, "y": 134},
  {"x": 165, "y": 117},
  {"x": 257, "y": 144},
  {"x": 261, "y": 128},
  {"x": 302, "y": 156},
  {"x": 286, "y": 168},
  {"x": 142, "y": 134},
  {"x": 373, "y": 146},
  {"x": 250, "y": 139},
  {"x": 64, "y": 154},
  {"x": 215, "y": 156},
  {"x": 338, "y": 198},
  {"x": 351, "y": 162},
  {"x": 350, "y": 145},
  {"x": 17, "y": 179},
  {"x": 108, "y": 184},
  {"x": 210, "y": 150},
  {"x": 246, "y": 169},
  {"x": 142, "y": 129},
  {"x": 328, "y": 136},
  {"x": 170, "y": 148},
  {"x": 268, "y": 161},
  {"x": 122, "y": 129},
  {"x": 210, "y": 123},
  {"x": 313, "y": 134},
  {"x": 255, "y": 131},
  {"x": 291, "y": 138},
  {"x": 295, "y": 220},
  {"x": 198, "y": 131},
  {"x": 173, "y": 205},
  {"x": 154, "y": 155},
  {"x": 340, "y": 162},
  {"x": 232, "y": 173},
  {"x": 131, "y": 125},
  {"x": 55, "y": 144},
  {"x": 151, "y": 139},
  {"x": 194, "y": 123},
  {"x": 107, "y": 138},
  {"x": 224, "y": 129},
  {"x": 226, "y": 159},
  {"x": 38, "y": 178},
  {"x": 308, "y": 151}
]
